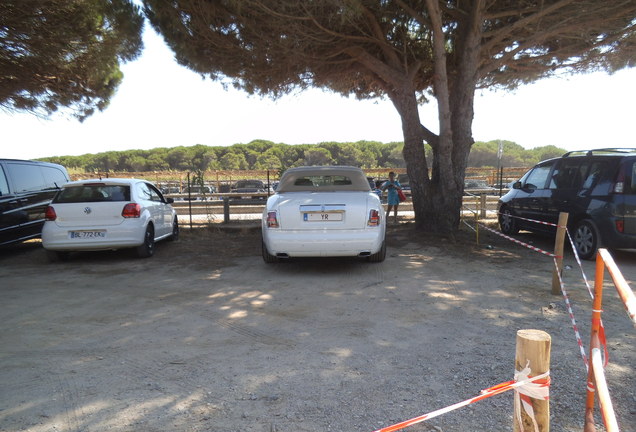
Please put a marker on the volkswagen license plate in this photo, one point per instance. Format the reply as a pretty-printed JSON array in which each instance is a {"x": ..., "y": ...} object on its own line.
[{"x": 87, "y": 234}]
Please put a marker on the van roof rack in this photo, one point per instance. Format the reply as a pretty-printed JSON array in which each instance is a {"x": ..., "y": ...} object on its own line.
[{"x": 599, "y": 151}]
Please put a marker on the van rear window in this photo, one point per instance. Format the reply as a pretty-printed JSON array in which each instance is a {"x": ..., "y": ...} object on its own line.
[
  {"x": 631, "y": 181},
  {"x": 93, "y": 193}
]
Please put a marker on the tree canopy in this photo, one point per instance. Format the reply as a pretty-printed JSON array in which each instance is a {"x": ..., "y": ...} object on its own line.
[
  {"x": 407, "y": 50},
  {"x": 65, "y": 54}
]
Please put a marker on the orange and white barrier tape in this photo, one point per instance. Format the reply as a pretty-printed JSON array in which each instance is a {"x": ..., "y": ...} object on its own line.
[
  {"x": 525, "y": 385},
  {"x": 538, "y": 388}
]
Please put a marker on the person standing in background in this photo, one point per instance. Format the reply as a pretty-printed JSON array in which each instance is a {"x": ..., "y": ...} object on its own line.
[{"x": 393, "y": 200}]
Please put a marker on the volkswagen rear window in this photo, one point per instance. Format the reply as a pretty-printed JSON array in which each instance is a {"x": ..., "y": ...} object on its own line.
[{"x": 93, "y": 193}]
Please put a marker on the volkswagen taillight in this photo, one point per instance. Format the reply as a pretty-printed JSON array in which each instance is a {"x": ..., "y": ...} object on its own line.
[
  {"x": 131, "y": 210},
  {"x": 272, "y": 220},
  {"x": 49, "y": 214},
  {"x": 374, "y": 218}
]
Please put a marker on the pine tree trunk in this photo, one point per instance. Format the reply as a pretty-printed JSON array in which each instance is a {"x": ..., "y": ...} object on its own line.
[{"x": 437, "y": 193}]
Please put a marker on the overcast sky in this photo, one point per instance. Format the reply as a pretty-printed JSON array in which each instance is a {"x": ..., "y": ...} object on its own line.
[{"x": 161, "y": 104}]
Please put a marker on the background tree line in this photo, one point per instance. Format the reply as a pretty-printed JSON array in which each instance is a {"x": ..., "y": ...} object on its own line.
[{"x": 261, "y": 154}]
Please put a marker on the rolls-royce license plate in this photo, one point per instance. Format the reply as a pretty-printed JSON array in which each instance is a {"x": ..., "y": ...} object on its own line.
[{"x": 322, "y": 217}]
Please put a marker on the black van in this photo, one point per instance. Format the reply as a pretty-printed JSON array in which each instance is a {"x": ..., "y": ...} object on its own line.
[
  {"x": 596, "y": 187},
  {"x": 26, "y": 188}
]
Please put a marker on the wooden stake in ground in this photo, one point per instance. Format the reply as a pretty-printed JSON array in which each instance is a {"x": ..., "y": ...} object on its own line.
[
  {"x": 533, "y": 349},
  {"x": 558, "y": 251}
]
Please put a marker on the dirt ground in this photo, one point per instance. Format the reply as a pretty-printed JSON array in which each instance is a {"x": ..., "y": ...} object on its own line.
[{"x": 205, "y": 336}]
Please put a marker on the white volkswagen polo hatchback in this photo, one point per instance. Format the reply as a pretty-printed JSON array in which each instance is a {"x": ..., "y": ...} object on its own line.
[
  {"x": 91, "y": 215},
  {"x": 323, "y": 211}
]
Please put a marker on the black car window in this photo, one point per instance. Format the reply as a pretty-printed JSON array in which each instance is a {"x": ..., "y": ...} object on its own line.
[
  {"x": 93, "y": 193},
  {"x": 4, "y": 186},
  {"x": 537, "y": 178},
  {"x": 597, "y": 168},
  {"x": 26, "y": 177},
  {"x": 53, "y": 177},
  {"x": 569, "y": 173}
]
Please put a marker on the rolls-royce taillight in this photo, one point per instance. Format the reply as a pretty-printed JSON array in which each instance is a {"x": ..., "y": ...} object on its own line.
[
  {"x": 272, "y": 220},
  {"x": 374, "y": 218}
]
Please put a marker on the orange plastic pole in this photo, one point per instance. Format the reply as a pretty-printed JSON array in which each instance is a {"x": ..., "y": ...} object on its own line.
[
  {"x": 624, "y": 291},
  {"x": 604, "y": 399},
  {"x": 594, "y": 342}
]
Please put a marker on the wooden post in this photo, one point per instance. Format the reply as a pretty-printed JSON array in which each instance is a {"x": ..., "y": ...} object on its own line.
[
  {"x": 226, "y": 209},
  {"x": 483, "y": 199},
  {"x": 558, "y": 251},
  {"x": 476, "y": 220},
  {"x": 533, "y": 349}
]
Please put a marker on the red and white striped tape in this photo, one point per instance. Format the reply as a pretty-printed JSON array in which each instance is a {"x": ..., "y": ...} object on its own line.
[
  {"x": 534, "y": 248},
  {"x": 578, "y": 261},
  {"x": 601, "y": 332},
  {"x": 531, "y": 220},
  {"x": 522, "y": 383},
  {"x": 564, "y": 292},
  {"x": 579, "y": 341}
]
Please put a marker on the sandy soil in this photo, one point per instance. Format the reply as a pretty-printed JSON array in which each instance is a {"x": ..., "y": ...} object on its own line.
[{"x": 205, "y": 336}]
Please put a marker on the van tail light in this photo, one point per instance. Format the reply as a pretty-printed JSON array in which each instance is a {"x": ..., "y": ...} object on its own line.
[
  {"x": 131, "y": 210},
  {"x": 619, "y": 186},
  {"x": 620, "y": 226},
  {"x": 49, "y": 214},
  {"x": 374, "y": 218},
  {"x": 272, "y": 220}
]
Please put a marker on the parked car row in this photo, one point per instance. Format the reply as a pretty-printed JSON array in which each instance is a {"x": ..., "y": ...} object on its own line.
[
  {"x": 316, "y": 211},
  {"x": 37, "y": 199}
]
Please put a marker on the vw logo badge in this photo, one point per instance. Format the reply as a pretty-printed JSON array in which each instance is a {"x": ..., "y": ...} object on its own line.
[{"x": 87, "y": 210}]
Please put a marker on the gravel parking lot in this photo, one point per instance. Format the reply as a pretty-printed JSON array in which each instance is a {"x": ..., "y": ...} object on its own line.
[{"x": 205, "y": 336}]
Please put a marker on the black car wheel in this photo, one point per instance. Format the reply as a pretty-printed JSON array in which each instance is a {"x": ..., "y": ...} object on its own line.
[
  {"x": 147, "y": 248},
  {"x": 586, "y": 239},
  {"x": 379, "y": 255},
  {"x": 267, "y": 257},
  {"x": 507, "y": 222},
  {"x": 175, "y": 230}
]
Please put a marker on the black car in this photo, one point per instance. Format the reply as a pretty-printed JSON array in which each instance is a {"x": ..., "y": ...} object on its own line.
[
  {"x": 597, "y": 188},
  {"x": 478, "y": 186},
  {"x": 248, "y": 187},
  {"x": 404, "y": 181},
  {"x": 26, "y": 189}
]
